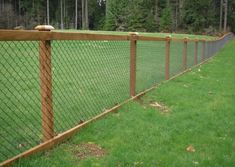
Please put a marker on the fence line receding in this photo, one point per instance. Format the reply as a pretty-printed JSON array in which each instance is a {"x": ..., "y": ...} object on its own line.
[{"x": 54, "y": 81}]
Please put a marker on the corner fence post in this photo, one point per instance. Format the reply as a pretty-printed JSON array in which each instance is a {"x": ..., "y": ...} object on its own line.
[
  {"x": 185, "y": 54},
  {"x": 133, "y": 41},
  {"x": 167, "y": 58},
  {"x": 196, "y": 52},
  {"x": 203, "y": 49},
  {"x": 46, "y": 85}
]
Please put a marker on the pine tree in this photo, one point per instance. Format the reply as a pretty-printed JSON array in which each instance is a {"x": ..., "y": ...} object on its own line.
[{"x": 166, "y": 20}]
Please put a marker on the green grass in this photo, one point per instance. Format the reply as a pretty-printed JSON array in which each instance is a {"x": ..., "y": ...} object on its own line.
[
  {"x": 202, "y": 114},
  {"x": 174, "y": 35},
  {"x": 88, "y": 78}
]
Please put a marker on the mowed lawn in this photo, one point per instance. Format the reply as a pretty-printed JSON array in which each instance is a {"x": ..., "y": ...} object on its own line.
[
  {"x": 88, "y": 78},
  {"x": 188, "y": 121}
]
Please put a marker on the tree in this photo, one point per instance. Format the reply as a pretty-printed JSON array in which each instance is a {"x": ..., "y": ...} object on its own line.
[
  {"x": 166, "y": 20},
  {"x": 48, "y": 13},
  {"x": 61, "y": 15},
  {"x": 231, "y": 15},
  {"x": 156, "y": 16},
  {"x": 76, "y": 14},
  {"x": 221, "y": 15},
  {"x": 85, "y": 21},
  {"x": 117, "y": 14},
  {"x": 225, "y": 14},
  {"x": 141, "y": 16},
  {"x": 122, "y": 15},
  {"x": 199, "y": 15},
  {"x": 97, "y": 12}
]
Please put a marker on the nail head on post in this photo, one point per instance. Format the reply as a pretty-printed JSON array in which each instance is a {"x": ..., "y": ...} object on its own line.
[{"x": 44, "y": 28}]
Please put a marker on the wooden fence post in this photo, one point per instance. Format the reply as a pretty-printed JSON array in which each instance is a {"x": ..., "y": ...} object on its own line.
[
  {"x": 167, "y": 58},
  {"x": 196, "y": 52},
  {"x": 203, "y": 49},
  {"x": 46, "y": 85},
  {"x": 185, "y": 54},
  {"x": 133, "y": 41}
]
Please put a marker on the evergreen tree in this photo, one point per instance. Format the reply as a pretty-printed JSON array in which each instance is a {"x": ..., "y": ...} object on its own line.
[
  {"x": 117, "y": 15},
  {"x": 166, "y": 20},
  {"x": 198, "y": 14}
]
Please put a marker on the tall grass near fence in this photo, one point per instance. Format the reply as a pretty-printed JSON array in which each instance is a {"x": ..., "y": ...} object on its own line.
[{"x": 88, "y": 73}]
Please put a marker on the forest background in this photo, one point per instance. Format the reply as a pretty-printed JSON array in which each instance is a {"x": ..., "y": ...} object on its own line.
[{"x": 188, "y": 16}]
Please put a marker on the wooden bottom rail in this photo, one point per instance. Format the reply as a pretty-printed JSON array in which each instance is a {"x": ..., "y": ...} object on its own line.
[{"x": 61, "y": 137}]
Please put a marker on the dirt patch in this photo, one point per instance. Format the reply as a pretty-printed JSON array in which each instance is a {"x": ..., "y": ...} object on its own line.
[
  {"x": 86, "y": 150},
  {"x": 148, "y": 102},
  {"x": 139, "y": 100},
  {"x": 159, "y": 106}
]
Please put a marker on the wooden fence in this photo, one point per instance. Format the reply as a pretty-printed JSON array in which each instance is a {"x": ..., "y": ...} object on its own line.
[{"x": 44, "y": 36}]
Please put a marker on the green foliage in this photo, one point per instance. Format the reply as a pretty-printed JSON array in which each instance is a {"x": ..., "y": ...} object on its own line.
[
  {"x": 166, "y": 20},
  {"x": 140, "y": 17},
  {"x": 198, "y": 14},
  {"x": 116, "y": 18},
  {"x": 96, "y": 15},
  {"x": 122, "y": 15},
  {"x": 231, "y": 16},
  {"x": 135, "y": 15}
]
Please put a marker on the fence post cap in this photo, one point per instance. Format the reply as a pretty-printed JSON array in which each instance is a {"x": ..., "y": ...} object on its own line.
[
  {"x": 168, "y": 37},
  {"x": 186, "y": 39},
  {"x": 133, "y": 33},
  {"x": 44, "y": 28}
]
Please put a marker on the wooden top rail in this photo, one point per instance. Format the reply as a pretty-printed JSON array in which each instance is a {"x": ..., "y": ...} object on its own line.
[
  {"x": 22, "y": 35},
  {"x": 86, "y": 36},
  {"x": 33, "y": 35},
  {"x": 146, "y": 38}
]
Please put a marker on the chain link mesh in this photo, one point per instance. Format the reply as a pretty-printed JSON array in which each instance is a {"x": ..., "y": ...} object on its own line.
[
  {"x": 150, "y": 67},
  {"x": 176, "y": 56},
  {"x": 20, "y": 98},
  {"x": 190, "y": 53},
  {"x": 200, "y": 52},
  {"x": 88, "y": 77}
]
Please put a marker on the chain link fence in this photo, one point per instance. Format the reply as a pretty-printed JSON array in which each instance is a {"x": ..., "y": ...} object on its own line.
[{"x": 50, "y": 84}]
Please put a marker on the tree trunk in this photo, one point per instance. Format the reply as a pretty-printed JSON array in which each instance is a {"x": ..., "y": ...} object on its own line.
[
  {"x": 61, "y": 15},
  {"x": 156, "y": 17},
  {"x": 225, "y": 15},
  {"x": 181, "y": 6},
  {"x": 3, "y": 5},
  {"x": 48, "y": 13},
  {"x": 176, "y": 14},
  {"x": 106, "y": 7},
  {"x": 85, "y": 15},
  {"x": 19, "y": 8},
  {"x": 65, "y": 15},
  {"x": 76, "y": 14},
  {"x": 168, "y": 3},
  {"x": 221, "y": 15}
]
